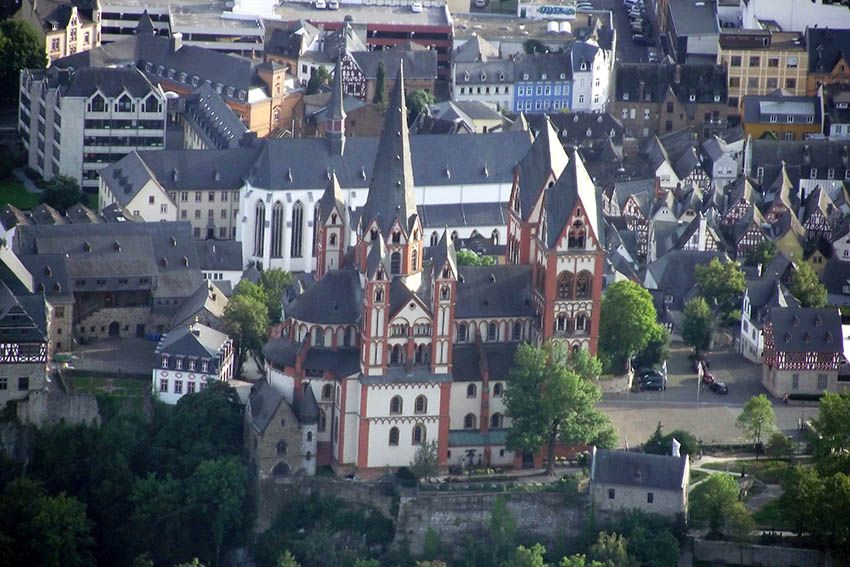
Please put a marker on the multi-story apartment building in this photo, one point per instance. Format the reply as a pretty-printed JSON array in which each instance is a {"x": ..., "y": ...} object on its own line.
[
  {"x": 67, "y": 27},
  {"x": 782, "y": 117},
  {"x": 655, "y": 99},
  {"x": 760, "y": 61},
  {"x": 75, "y": 122}
]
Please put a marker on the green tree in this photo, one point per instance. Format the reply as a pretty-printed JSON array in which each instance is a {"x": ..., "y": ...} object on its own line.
[
  {"x": 62, "y": 192},
  {"x": 417, "y": 101},
  {"x": 762, "y": 254},
  {"x": 627, "y": 321},
  {"x": 656, "y": 351},
  {"x": 611, "y": 550},
  {"x": 698, "y": 324},
  {"x": 740, "y": 526},
  {"x": 757, "y": 418},
  {"x": 712, "y": 500},
  {"x": 215, "y": 497},
  {"x": 380, "y": 84},
  {"x": 807, "y": 287},
  {"x": 721, "y": 284},
  {"x": 214, "y": 416},
  {"x": 274, "y": 282},
  {"x": 425, "y": 463},
  {"x": 46, "y": 530},
  {"x": 833, "y": 524},
  {"x": 661, "y": 444},
  {"x": 320, "y": 77},
  {"x": 287, "y": 560},
  {"x": 21, "y": 47},
  {"x": 832, "y": 442},
  {"x": 801, "y": 498},
  {"x": 779, "y": 445},
  {"x": 578, "y": 560},
  {"x": 469, "y": 258},
  {"x": 247, "y": 321},
  {"x": 534, "y": 46},
  {"x": 654, "y": 546},
  {"x": 158, "y": 505},
  {"x": 553, "y": 397},
  {"x": 527, "y": 557},
  {"x": 367, "y": 563}
]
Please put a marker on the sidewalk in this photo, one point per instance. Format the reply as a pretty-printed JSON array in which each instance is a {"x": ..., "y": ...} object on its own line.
[{"x": 28, "y": 184}]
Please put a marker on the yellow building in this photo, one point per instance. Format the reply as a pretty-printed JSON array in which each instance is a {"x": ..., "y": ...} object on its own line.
[
  {"x": 782, "y": 117},
  {"x": 760, "y": 61},
  {"x": 67, "y": 28}
]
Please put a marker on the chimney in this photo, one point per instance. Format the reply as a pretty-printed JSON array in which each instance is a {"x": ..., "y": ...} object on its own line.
[
  {"x": 807, "y": 154},
  {"x": 176, "y": 42},
  {"x": 677, "y": 74},
  {"x": 641, "y": 89}
]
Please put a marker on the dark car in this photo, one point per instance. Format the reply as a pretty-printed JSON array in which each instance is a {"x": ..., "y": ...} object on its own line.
[
  {"x": 653, "y": 383},
  {"x": 718, "y": 388},
  {"x": 648, "y": 373},
  {"x": 643, "y": 40}
]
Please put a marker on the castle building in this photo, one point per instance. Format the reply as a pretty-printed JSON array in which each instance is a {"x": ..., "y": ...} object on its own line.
[{"x": 398, "y": 344}]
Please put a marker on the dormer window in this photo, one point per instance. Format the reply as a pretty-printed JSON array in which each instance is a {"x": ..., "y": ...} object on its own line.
[
  {"x": 773, "y": 119},
  {"x": 466, "y": 76},
  {"x": 789, "y": 119},
  {"x": 716, "y": 98},
  {"x": 125, "y": 104},
  {"x": 583, "y": 66},
  {"x": 182, "y": 77},
  {"x": 483, "y": 76},
  {"x": 230, "y": 91},
  {"x": 563, "y": 76},
  {"x": 626, "y": 96},
  {"x": 692, "y": 98},
  {"x": 373, "y": 234},
  {"x": 543, "y": 76},
  {"x": 98, "y": 104},
  {"x": 525, "y": 76},
  {"x": 501, "y": 76}
]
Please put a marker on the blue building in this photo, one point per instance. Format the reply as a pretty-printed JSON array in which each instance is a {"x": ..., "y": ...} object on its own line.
[{"x": 543, "y": 82}]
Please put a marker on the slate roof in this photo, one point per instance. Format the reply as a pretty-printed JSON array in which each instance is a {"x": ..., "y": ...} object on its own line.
[
  {"x": 179, "y": 170},
  {"x": 419, "y": 64},
  {"x": 282, "y": 351},
  {"x": 263, "y": 402},
  {"x": 560, "y": 200},
  {"x": 207, "y": 297},
  {"x": 554, "y": 66},
  {"x": 195, "y": 340},
  {"x": 306, "y": 408},
  {"x": 391, "y": 196},
  {"x": 779, "y": 107},
  {"x": 342, "y": 362},
  {"x": 336, "y": 298},
  {"x": 494, "y": 291},
  {"x": 581, "y": 128},
  {"x": 485, "y": 72},
  {"x": 765, "y": 294},
  {"x": 291, "y": 40},
  {"x": 476, "y": 48},
  {"x": 224, "y": 255},
  {"x": 807, "y": 330},
  {"x": 211, "y": 116},
  {"x": 545, "y": 157},
  {"x": 462, "y": 214},
  {"x": 22, "y": 317},
  {"x": 799, "y": 158},
  {"x": 121, "y": 249},
  {"x": 675, "y": 273},
  {"x": 703, "y": 82},
  {"x": 625, "y": 468},
  {"x": 111, "y": 81},
  {"x": 826, "y": 46}
]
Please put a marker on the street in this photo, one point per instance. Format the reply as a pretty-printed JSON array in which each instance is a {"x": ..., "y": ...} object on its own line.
[{"x": 708, "y": 416}]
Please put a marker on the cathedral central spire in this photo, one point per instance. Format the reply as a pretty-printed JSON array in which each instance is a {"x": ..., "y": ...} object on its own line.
[{"x": 391, "y": 194}]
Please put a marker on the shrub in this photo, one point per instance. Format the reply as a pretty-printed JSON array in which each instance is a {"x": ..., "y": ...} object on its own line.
[
  {"x": 778, "y": 445},
  {"x": 405, "y": 477}
]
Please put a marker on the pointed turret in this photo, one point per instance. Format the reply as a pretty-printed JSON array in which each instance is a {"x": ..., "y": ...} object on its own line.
[
  {"x": 335, "y": 114},
  {"x": 331, "y": 228},
  {"x": 444, "y": 256},
  {"x": 391, "y": 194},
  {"x": 145, "y": 25}
]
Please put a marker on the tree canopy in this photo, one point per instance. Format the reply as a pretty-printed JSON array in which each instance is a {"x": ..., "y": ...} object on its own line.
[
  {"x": 320, "y": 77},
  {"x": 417, "y": 101},
  {"x": 807, "y": 287},
  {"x": 757, "y": 418},
  {"x": 425, "y": 463},
  {"x": 712, "y": 500},
  {"x": 627, "y": 322},
  {"x": 21, "y": 47},
  {"x": 721, "y": 284},
  {"x": 247, "y": 320},
  {"x": 697, "y": 324},
  {"x": 469, "y": 258},
  {"x": 656, "y": 351},
  {"x": 660, "y": 443},
  {"x": 62, "y": 192},
  {"x": 380, "y": 84},
  {"x": 553, "y": 398},
  {"x": 832, "y": 443},
  {"x": 762, "y": 254}
]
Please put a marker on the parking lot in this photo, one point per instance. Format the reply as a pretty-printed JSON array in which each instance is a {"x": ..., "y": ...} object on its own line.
[{"x": 709, "y": 416}]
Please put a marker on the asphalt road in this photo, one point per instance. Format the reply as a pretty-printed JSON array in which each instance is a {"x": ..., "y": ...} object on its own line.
[
  {"x": 710, "y": 417},
  {"x": 627, "y": 51}
]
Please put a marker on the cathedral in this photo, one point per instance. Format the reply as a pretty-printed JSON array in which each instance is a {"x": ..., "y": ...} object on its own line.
[{"x": 398, "y": 344}]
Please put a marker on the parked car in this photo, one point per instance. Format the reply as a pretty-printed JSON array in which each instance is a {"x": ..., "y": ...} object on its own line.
[
  {"x": 718, "y": 388},
  {"x": 643, "y": 40},
  {"x": 416, "y": 7},
  {"x": 584, "y": 7},
  {"x": 480, "y": 3},
  {"x": 653, "y": 383},
  {"x": 653, "y": 56},
  {"x": 333, "y": 4},
  {"x": 320, "y": 4}
]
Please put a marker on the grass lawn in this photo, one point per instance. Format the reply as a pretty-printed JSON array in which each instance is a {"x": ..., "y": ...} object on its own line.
[
  {"x": 12, "y": 192},
  {"x": 772, "y": 517},
  {"x": 769, "y": 471},
  {"x": 697, "y": 476},
  {"x": 118, "y": 387}
]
